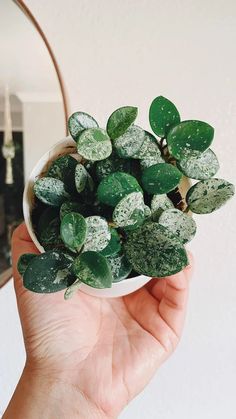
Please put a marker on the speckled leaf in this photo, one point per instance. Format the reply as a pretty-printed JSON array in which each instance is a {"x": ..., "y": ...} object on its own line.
[
  {"x": 202, "y": 167},
  {"x": 115, "y": 186},
  {"x": 114, "y": 244},
  {"x": 149, "y": 149},
  {"x": 159, "y": 204},
  {"x": 147, "y": 212},
  {"x": 24, "y": 261},
  {"x": 49, "y": 272},
  {"x": 51, "y": 191},
  {"x": 49, "y": 214},
  {"x": 163, "y": 115},
  {"x": 153, "y": 251},
  {"x": 181, "y": 225},
  {"x": 70, "y": 206},
  {"x": 50, "y": 236},
  {"x": 73, "y": 231},
  {"x": 83, "y": 179},
  {"x": 94, "y": 144},
  {"x": 98, "y": 234},
  {"x": 150, "y": 161},
  {"x": 189, "y": 138},
  {"x": 62, "y": 168},
  {"x": 120, "y": 267},
  {"x": 160, "y": 178},
  {"x": 111, "y": 165},
  {"x": 120, "y": 120},
  {"x": 78, "y": 122},
  {"x": 93, "y": 269},
  {"x": 129, "y": 212},
  {"x": 208, "y": 195},
  {"x": 130, "y": 142}
]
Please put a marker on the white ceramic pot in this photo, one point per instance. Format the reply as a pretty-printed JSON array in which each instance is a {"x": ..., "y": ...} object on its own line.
[{"x": 67, "y": 146}]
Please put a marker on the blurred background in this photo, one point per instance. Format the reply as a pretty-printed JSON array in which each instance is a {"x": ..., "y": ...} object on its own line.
[{"x": 113, "y": 53}]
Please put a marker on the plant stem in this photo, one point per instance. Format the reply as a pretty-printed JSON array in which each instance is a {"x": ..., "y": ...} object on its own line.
[
  {"x": 70, "y": 291},
  {"x": 187, "y": 209}
]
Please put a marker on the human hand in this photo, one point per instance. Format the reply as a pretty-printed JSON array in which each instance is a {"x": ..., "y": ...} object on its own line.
[{"x": 95, "y": 352}]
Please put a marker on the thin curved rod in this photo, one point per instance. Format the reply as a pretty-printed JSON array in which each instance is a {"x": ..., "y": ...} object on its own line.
[{"x": 29, "y": 14}]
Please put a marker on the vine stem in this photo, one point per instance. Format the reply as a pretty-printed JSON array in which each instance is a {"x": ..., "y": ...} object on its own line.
[
  {"x": 70, "y": 291},
  {"x": 187, "y": 209}
]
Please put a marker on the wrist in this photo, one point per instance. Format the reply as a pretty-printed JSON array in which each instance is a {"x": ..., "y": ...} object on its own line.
[{"x": 39, "y": 394}]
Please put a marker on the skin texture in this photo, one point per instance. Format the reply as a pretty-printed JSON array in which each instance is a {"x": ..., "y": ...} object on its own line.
[{"x": 88, "y": 357}]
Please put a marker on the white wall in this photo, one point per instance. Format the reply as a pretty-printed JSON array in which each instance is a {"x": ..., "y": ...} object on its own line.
[{"x": 114, "y": 52}]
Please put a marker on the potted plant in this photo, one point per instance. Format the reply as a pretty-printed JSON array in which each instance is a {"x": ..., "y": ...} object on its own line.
[{"x": 107, "y": 206}]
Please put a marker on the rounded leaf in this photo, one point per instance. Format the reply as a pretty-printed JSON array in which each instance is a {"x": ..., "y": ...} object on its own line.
[
  {"x": 120, "y": 120},
  {"x": 149, "y": 148},
  {"x": 159, "y": 204},
  {"x": 98, "y": 234},
  {"x": 189, "y": 138},
  {"x": 111, "y": 165},
  {"x": 51, "y": 191},
  {"x": 120, "y": 267},
  {"x": 202, "y": 167},
  {"x": 93, "y": 269},
  {"x": 78, "y": 122},
  {"x": 114, "y": 244},
  {"x": 83, "y": 179},
  {"x": 208, "y": 195},
  {"x": 63, "y": 168},
  {"x": 130, "y": 212},
  {"x": 73, "y": 231},
  {"x": 153, "y": 251},
  {"x": 181, "y": 225},
  {"x": 130, "y": 142},
  {"x": 163, "y": 115},
  {"x": 94, "y": 144},
  {"x": 115, "y": 186},
  {"x": 49, "y": 272},
  {"x": 160, "y": 178},
  {"x": 24, "y": 261},
  {"x": 70, "y": 206}
]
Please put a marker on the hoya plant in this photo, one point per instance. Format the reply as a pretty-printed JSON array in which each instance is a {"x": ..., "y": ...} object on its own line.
[{"x": 114, "y": 211}]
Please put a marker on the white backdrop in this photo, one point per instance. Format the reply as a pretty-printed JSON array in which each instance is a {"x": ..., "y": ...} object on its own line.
[{"x": 113, "y": 53}]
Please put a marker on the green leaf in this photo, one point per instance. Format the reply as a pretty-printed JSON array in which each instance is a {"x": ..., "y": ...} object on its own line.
[
  {"x": 120, "y": 120},
  {"x": 150, "y": 161},
  {"x": 78, "y": 122},
  {"x": 130, "y": 142},
  {"x": 189, "y": 138},
  {"x": 114, "y": 245},
  {"x": 163, "y": 115},
  {"x": 24, "y": 261},
  {"x": 202, "y": 167},
  {"x": 159, "y": 204},
  {"x": 120, "y": 267},
  {"x": 98, "y": 234},
  {"x": 129, "y": 212},
  {"x": 153, "y": 251},
  {"x": 70, "y": 206},
  {"x": 49, "y": 214},
  {"x": 149, "y": 148},
  {"x": 63, "y": 169},
  {"x": 83, "y": 179},
  {"x": 147, "y": 212},
  {"x": 93, "y": 269},
  {"x": 111, "y": 165},
  {"x": 73, "y": 231},
  {"x": 115, "y": 186},
  {"x": 160, "y": 178},
  {"x": 49, "y": 272},
  {"x": 94, "y": 144},
  {"x": 208, "y": 195},
  {"x": 50, "y": 236},
  {"x": 51, "y": 191},
  {"x": 181, "y": 225}
]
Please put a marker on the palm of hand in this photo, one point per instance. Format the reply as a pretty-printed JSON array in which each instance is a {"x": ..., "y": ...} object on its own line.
[{"x": 106, "y": 348}]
